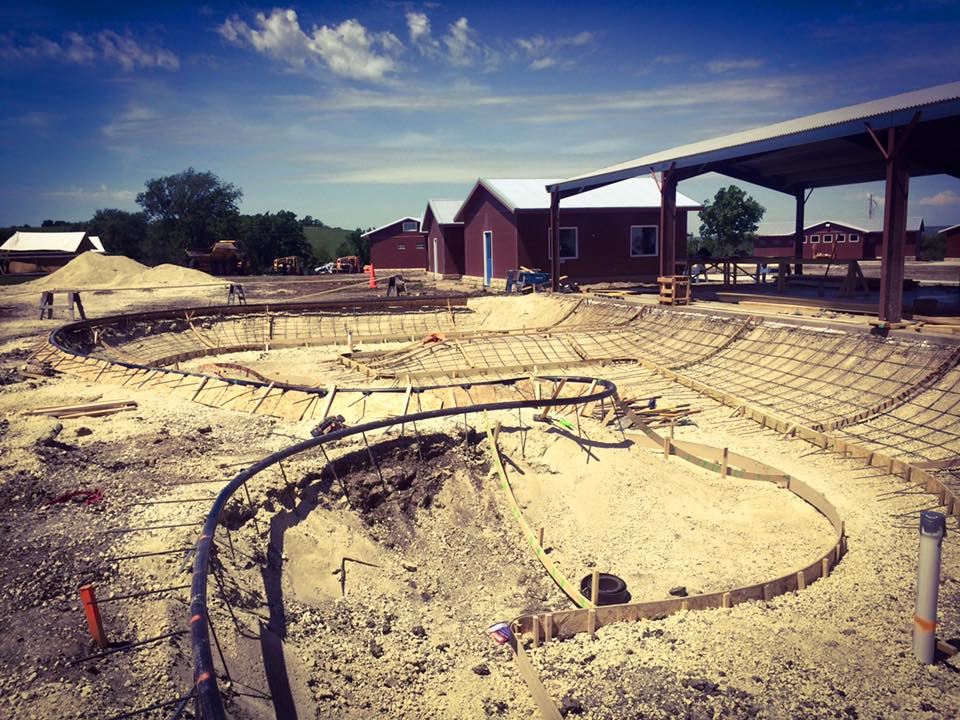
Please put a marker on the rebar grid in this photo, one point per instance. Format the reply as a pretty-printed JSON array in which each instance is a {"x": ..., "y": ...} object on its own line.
[
  {"x": 815, "y": 377},
  {"x": 926, "y": 427}
]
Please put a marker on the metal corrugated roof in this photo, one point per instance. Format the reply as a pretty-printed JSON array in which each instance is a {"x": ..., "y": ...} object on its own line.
[
  {"x": 531, "y": 194},
  {"x": 393, "y": 222},
  {"x": 444, "y": 210},
  {"x": 938, "y": 102},
  {"x": 914, "y": 224},
  {"x": 43, "y": 241}
]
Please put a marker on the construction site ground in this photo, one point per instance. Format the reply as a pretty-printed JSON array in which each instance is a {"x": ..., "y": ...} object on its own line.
[{"x": 367, "y": 593}]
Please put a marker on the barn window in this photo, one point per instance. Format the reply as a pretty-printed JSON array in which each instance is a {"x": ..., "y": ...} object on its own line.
[
  {"x": 828, "y": 238},
  {"x": 854, "y": 237},
  {"x": 421, "y": 246},
  {"x": 569, "y": 244},
  {"x": 643, "y": 240},
  {"x": 814, "y": 238},
  {"x": 401, "y": 246},
  {"x": 841, "y": 238},
  {"x": 409, "y": 226}
]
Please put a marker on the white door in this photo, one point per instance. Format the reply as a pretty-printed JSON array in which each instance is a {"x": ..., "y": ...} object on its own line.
[{"x": 436, "y": 257}]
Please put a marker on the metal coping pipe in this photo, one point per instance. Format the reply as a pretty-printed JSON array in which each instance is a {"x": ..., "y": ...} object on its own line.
[
  {"x": 933, "y": 528},
  {"x": 205, "y": 680}
]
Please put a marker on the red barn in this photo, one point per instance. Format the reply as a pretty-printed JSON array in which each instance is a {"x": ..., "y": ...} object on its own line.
[
  {"x": 844, "y": 240},
  {"x": 398, "y": 245},
  {"x": 606, "y": 233},
  {"x": 952, "y": 235},
  {"x": 444, "y": 238}
]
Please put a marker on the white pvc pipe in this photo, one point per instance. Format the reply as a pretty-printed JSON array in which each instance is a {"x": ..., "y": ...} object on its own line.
[{"x": 933, "y": 528}]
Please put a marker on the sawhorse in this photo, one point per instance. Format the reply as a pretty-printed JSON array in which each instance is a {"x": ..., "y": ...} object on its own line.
[
  {"x": 73, "y": 302},
  {"x": 236, "y": 295}
]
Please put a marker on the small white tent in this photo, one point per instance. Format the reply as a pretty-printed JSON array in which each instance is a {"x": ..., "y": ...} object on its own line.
[{"x": 26, "y": 252}]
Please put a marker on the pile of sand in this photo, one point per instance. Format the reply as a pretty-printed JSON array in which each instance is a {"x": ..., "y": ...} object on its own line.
[{"x": 92, "y": 270}]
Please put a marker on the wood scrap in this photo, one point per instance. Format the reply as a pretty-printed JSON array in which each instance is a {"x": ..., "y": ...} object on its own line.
[{"x": 85, "y": 409}]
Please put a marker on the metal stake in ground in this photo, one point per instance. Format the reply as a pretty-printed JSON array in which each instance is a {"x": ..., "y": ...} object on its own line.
[
  {"x": 374, "y": 461},
  {"x": 933, "y": 528},
  {"x": 333, "y": 470}
]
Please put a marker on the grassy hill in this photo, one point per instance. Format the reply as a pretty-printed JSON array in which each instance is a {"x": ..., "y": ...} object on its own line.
[{"x": 325, "y": 240}]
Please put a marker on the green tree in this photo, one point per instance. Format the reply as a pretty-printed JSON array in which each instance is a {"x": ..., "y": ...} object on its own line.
[
  {"x": 729, "y": 222},
  {"x": 121, "y": 232},
  {"x": 266, "y": 236},
  {"x": 192, "y": 210},
  {"x": 357, "y": 245}
]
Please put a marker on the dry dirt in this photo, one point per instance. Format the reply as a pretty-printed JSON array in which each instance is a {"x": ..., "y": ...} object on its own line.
[{"x": 403, "y": 636}]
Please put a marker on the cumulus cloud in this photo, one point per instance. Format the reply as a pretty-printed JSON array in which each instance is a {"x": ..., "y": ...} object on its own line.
[
  {"x": 418, "y": 25},
  {"x": 718, "y": 67},
  {"x": 941, "y": 199},
  {"x": 348, "y": 49},
  {"x": 107, "y": 45}
]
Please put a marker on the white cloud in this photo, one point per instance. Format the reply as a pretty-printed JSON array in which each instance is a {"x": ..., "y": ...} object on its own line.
[
  {"x": 542, "y": 63},
  {"x": 718, "y": 67},
  {"x": 418, "y": 25},
  {"x": 941, "y": 199},
  {"x": 107, "y": 45},
  {"x": 97, "y": 193},
  {"x": 461, "y": 47},
  {"x": 348, "y": 49}
]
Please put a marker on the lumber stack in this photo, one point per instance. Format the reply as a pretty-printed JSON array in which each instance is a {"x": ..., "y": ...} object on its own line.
[{"x": 84, "y": 410}]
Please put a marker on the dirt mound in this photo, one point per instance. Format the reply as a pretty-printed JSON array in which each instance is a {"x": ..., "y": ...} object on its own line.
[{"x": 93, "y": 270}]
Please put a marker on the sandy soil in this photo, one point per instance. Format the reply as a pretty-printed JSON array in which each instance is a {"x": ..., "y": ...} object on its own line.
[{"x": 403, "y": 637}]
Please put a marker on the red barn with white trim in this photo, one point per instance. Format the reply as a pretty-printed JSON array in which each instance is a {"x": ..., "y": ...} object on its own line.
[
  {"x": 398, "y": 245},
  {"x": 607, "y": 233}
]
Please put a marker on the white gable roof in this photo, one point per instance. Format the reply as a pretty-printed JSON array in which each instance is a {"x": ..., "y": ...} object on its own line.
[
  {"x": 97, "y": 245},
  {"x": 40, "y": 241},
  {"x": 531, "y": 194},
  {"x": 914, "y": 224},
  {"x": 393, "y": 222},
  {"x": 445, "y": 210}
]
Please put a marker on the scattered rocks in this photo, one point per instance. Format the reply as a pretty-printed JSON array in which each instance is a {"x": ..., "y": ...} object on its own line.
[
  {"x": 481, "y": 669},
  {"x": 678, "y": 591}
]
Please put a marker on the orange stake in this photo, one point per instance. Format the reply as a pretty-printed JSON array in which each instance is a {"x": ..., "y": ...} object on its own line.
[
  {"x": 94, "y": 621},
  {"x": 373, "y": 276}
]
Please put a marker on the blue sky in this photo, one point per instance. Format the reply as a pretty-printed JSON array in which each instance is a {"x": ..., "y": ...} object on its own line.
[{"x": 357, "y": 113}]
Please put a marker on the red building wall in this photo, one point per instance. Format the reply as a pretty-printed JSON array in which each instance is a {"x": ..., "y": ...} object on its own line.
[
  {"x": 603, "y": 239},
  {"x": 522, "y": 239},
  {"x": 391, "y": 248},
  {"x": 953, "y": 243},
  {"x": 484, "y": 212},
  {"x": 449, "y": 240},
  {"x": 869, "y": 246}
]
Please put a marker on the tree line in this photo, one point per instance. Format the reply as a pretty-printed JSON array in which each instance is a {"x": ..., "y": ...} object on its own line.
[{"x": 192, "y": 210}]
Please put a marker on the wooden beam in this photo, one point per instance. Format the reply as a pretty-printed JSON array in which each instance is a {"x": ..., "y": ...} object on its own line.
[
  {"x": 668, "y": 224},
  {"x": 555, "y": 241},
  {"x": 894, "y": 232}
]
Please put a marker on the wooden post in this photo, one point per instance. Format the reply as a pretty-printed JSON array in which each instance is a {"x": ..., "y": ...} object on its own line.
[
  {"x": 723, "y": 465},
  {"x": 668, "y": 223},
  {"x": 94, "y": 621},
  {"x": 592, "y": 623},
  {"x": 555, "y": 240},
  {"x": 595, "y": 587},
  {"x": 725, "y": 600},
  {"x": 798, "y": 231},
  {"x": 801, "y": 581},
  {"x": 540, "y": 536},
  {"x": 894, "y": 225},
  {"x": 684, "y": 605},
  {"x": 535, "y": 629},
  {"x": 666, "y": 448},
  {"x": 547, "y": 627},
  {"x": 825, "y": 567}
]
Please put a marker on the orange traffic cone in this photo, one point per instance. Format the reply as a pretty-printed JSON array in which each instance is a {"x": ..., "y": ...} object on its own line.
[{"x": 373, "y": 277}]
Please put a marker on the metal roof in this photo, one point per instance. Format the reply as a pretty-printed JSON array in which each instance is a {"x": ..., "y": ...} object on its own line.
[
  {"x": 25, "y": 241},
  {"x": 444, "y": 211},
  {"x": 949, "y": 229},
  {"x": 530, "y": 194},
  {"x": 776, "y": 229},
  {"x": 827, "y": 148},
  {"x": 394, "y": 222}
]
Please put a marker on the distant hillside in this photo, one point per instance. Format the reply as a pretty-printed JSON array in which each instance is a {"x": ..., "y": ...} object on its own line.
[{"x": 325, "y": 241}]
